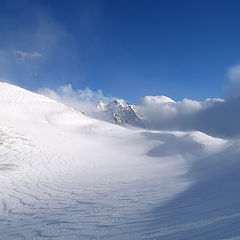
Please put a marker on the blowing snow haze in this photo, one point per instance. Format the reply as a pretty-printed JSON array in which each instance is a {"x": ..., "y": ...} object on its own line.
[
  {"x": 119, "y": 120},
  {"x": 214, "y": 116}
]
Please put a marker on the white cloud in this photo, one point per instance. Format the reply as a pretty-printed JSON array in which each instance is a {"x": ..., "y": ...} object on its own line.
[
  {"x": 233, "y": 74},
  {"x": 163, "y": 112},
  {"x": 21, "y": 55},
  {"x": 82, "y": 99},
  {"x": 159, "y": 112},
  {"x": 232, "y": 87},
  {"x": 49, "y": 93},
  {"x": 214, "y": 116}
]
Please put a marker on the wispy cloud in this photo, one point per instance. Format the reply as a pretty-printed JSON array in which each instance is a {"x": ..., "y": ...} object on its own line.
[
  {"x": 233, "y": 74},
  {"x": 233, "y": 85},
  {"x": 25, "y": 48},
  {"x": 81, "y": 99},
  {"x": 22, "y": 55}
]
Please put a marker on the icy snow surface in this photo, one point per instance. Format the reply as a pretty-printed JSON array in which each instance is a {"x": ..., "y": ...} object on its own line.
[{"x": 66, "y": 176}]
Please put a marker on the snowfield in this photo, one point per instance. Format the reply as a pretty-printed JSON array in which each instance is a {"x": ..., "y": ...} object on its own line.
[{"x": 64, "y": 175}]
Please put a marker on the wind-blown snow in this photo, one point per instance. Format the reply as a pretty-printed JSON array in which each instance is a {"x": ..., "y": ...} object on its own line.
[
  {"x": 213, "y": 116},
  {"x": 67, "y": 176}
]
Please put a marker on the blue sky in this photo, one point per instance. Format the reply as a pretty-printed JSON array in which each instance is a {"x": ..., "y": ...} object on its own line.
[{"x": 126, "y": 48}]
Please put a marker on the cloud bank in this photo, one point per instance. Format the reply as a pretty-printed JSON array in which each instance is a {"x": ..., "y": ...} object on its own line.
[
  {"x": 81, "y": 99},
  {"x": 161, "y": 112},
  {"x": 157, "y": 112},
  {"x": 214, "y": 116}
]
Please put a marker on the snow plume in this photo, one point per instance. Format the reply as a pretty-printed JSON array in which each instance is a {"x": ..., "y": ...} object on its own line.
[{"x": 82, "y": 99}]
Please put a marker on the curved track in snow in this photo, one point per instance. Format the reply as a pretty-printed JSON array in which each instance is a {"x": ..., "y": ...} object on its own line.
[{"x": 66, "y": 176}]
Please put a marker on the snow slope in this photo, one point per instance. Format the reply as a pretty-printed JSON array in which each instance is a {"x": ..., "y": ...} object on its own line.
[{"x": 67, "y": 176}]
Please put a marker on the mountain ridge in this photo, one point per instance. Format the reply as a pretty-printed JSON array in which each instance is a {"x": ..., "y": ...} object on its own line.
[{"x": 120, "y": 112}]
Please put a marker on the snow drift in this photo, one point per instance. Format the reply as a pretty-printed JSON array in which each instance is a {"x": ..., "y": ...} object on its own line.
[{"x": 67, "y": 176}]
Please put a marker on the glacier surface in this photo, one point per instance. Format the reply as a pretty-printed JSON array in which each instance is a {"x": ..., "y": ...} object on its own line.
[{"x": 67, "y": 176}]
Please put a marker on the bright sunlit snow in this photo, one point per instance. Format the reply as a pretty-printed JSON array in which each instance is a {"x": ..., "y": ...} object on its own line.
[{"x": 67, "y": 176}]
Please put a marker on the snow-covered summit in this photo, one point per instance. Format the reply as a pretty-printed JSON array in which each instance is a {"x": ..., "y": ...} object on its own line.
[{"x": 120, "y": 112}]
